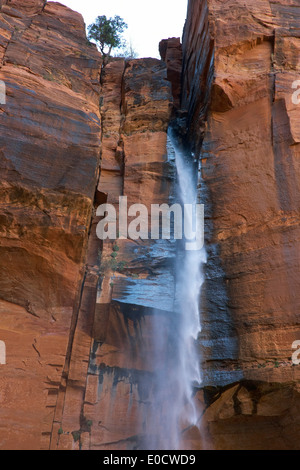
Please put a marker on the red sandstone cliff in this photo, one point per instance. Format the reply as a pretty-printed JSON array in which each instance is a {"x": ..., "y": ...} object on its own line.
[
  {"x": 78, "y": 341},
  {"x": 240, "y": 60},
  {"x": 50, "y": 151},
  {"x": 64, "y": 336}
]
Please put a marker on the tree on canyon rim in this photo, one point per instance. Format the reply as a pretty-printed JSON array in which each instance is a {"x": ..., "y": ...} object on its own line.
[{"x": 107, "y": 33}]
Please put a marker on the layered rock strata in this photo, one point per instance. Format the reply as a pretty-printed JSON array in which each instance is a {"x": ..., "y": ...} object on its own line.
[
  {"x": 70, "y": 318},
  {"x": 50, "y": 153},
  {"x": 108, "y": 394},
  {"x": 171, "y": 53},
  {"x": 240, "y": 62},
  {"x": 77, "y": 313}
]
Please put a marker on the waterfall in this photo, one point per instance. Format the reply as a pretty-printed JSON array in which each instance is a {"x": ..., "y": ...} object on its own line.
[
  {"x": 176, "y": 361},
  {"x": 190, "y": 278}
]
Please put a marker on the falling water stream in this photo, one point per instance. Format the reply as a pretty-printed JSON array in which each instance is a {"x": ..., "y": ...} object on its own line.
[{"x": 176, "y": 358}]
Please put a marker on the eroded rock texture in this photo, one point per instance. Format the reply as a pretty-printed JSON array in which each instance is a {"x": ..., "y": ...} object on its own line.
[
  {"x": 171, "y": 53},
  {"x": 77, "y": 314},
  {"x": 107, "y": 395},
  {"x": 70, "y": 326},
  {"x": 49, "y": 158},
  {"x": 240, "y": 60}
]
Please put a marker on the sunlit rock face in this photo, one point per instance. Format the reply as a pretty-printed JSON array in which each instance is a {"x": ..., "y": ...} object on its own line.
[
  {"x": 79, "y": 330},
  {"x": 112, "y": 373},
  {"x": 49, "y": 153},
  {"x": 239, "y": 65},
  {"x": 49, "y": 158},
  {"x": 71, "y": 332},
  {"x": 171, "y": 53}
]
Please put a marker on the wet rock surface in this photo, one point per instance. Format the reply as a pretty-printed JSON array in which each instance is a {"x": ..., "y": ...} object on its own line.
[
  {"x": 239, "y": 64},
  {"x": 77, "y": 314}
]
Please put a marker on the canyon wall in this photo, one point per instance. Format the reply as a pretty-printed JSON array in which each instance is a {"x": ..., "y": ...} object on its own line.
[
  {"x": 74, "y": 309},
  {"x": 106, "y": 398},
  {"x": 49, "y": 157},
  {"x": 77, "y": 313},
  {"x": 240, "y": 61}
]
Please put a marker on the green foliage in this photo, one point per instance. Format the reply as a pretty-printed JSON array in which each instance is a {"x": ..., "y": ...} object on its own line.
[
  {"x": 112, "y": 263},
  {"x": 76, "y": 435},
  {"x": 106, "y": 32},
  {"x": 89, "y": 424},
  {"x": 60, "y": 431},
  {"x": 118, "y": 266},
  {"x": 121, "y": 266}
]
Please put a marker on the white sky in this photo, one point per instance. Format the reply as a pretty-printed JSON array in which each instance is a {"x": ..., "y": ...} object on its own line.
[{"x": 148, "y": 21}]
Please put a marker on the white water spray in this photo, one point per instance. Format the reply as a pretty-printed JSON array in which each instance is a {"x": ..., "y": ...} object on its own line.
[
  {"x": 176, "y": 359},
  {"x": 188, "y": 288}
]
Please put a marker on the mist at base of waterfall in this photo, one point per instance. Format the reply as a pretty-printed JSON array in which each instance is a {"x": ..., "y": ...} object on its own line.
[{"x": 175, "y": 359}]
